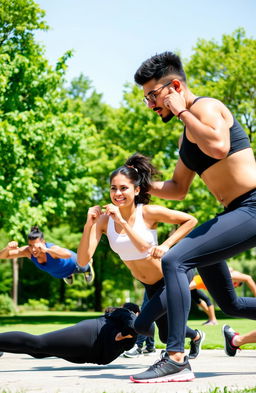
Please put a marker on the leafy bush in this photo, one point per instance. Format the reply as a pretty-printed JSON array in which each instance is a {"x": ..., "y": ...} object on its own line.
[
  {"x": 35, "y": 305},
  {"x": 7, "y": 306}
]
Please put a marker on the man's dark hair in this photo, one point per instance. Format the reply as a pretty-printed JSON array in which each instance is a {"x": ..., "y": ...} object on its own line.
[
  {"x": 35, "y": 233},
  {"x": 159, "y": 66}
]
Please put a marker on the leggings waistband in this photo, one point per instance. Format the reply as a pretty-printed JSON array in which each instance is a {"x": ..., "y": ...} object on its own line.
[{"x": 236, "y": 202}]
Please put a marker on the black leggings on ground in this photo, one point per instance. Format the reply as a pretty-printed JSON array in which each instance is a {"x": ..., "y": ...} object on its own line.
[
  {"x": 73, "y": 343},
  {"x": 206, "y": 248},
  {"x": 156, "y": 310}
]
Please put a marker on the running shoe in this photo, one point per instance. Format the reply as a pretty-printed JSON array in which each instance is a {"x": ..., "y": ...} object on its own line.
[
  {"x": 165, "y": 370},
  {"x": 195, "y": 346},
  {"x": 135, "y": 352},
  {"x": 1, "y": 354},
  {"x": 210, "y": 323},
  {"x": 149, "y": 351},
  {"x": 69, "y": 280},
  {"x": 229, "y": 335},
  {"x": 89, "y": 275}
]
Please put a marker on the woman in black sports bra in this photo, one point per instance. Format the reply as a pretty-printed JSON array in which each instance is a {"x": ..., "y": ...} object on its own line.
[{"x": 215, "y": 146}]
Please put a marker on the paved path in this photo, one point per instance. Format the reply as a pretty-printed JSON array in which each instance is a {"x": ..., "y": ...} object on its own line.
[{"x": 23, "y": 374}]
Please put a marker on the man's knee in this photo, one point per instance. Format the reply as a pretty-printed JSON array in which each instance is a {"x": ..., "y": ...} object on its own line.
[{"x": 233, "y": 310}]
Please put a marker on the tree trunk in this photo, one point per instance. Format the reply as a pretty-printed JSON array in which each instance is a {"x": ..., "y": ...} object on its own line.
[
  {"x": 15, "y": 282},
  {"x": 62, "y": 292}
]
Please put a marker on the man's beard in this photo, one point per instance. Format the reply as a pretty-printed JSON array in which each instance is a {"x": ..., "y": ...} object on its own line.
[{"x": 168, "y": 117}]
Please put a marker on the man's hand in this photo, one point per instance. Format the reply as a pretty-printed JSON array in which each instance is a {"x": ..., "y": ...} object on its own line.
[
  {"x": 40, "y": 247},
  {"x": 12, "y": 245},
  {"x": 175, "y": 101}
]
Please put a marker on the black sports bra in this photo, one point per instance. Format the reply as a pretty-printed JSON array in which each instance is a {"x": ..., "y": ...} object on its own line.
[{"x": 198, "y": 161}]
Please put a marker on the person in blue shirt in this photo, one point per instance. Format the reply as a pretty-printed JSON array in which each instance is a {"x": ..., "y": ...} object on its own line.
[{"x": 57, "y": 261}]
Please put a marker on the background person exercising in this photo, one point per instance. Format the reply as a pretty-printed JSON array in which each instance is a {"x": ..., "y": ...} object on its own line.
[
  {"x": 57, "y": 261},
  {"x": 99, "y": 340}
]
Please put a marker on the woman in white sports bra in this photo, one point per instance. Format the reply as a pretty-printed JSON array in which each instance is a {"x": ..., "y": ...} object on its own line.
[{"x": 130, "y": 225}]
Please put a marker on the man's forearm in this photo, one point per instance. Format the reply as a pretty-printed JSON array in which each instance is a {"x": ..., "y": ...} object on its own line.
[
  {"x": 251, "y": 284},
  {"x": 4, "y": 253},
  {"x": 166, "y": 190},
  {"x": 59, "y": 252}
]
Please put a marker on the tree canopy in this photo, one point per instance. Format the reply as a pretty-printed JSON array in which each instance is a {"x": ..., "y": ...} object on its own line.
[{"x": 59, "y": 143}]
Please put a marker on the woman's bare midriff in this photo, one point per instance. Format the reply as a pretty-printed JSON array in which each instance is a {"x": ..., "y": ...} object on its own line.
[
  {"x": 231, "y": 177},
  {"x": 147, "y": 270}
]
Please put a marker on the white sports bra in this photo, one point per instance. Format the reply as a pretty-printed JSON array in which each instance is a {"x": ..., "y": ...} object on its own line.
[{"x": 121, "y": 243}]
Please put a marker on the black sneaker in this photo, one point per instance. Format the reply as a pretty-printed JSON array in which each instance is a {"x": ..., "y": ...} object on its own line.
[
  {"x": 1, "y": 354},
  {"x": 229, "y": 334},
  {"x": 195, "y": 346},
  {"x": 165, "y": 370}
]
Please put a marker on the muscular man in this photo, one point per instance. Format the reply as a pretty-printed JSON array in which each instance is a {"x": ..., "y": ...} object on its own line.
[{"x": 214, "y": 146}]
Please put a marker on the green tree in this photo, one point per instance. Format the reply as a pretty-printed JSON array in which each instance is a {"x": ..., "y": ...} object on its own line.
[
  {"x": 41, "y": 145},
  {"x": 226, "y": 71},
  {"x": 84, "y": 99}
]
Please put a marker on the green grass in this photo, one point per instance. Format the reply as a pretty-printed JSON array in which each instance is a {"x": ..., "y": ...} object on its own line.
[
  {"x": 214, "y": 338},
  {"x": 43, "y": 322}
]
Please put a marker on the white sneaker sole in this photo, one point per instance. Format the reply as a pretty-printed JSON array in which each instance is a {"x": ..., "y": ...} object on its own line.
[{"x": 178, "y": 377}]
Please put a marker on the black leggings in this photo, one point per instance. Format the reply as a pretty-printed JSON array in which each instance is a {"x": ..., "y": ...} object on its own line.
[
  {"x": 206, "y": 248},
  {"x": 156, "y": 310},
  {"x": 73, "y": 343},
  {"x": 197, "y": 295}
]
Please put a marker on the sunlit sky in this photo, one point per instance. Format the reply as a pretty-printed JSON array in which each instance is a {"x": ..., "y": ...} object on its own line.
[{"x": 111, "y": 38}]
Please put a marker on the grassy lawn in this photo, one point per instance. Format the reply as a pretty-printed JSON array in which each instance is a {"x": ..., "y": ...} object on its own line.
[
  {"x": 214, "y": 338},
  {"x": 43, "y": 322}
]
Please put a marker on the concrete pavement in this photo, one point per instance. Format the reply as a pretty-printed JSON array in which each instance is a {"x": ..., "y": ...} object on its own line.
[{"x": 24, "y": 374}]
